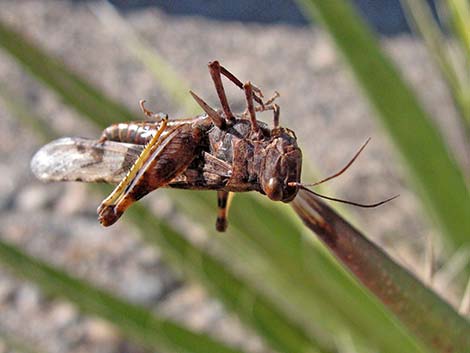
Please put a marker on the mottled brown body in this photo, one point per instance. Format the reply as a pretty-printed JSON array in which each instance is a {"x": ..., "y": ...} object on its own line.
[
  {"x": 217, "y": 151},
  {"x": 232, "y": 153}
]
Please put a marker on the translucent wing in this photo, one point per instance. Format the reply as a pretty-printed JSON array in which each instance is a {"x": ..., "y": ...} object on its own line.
[{"x": 79, "y": 159}]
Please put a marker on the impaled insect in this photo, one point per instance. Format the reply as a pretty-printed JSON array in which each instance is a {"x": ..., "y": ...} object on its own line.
[{"x": 215, "y": 151}]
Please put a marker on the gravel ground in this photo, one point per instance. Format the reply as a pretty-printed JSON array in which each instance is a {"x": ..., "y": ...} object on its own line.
[{"x": 57, "y": 222}]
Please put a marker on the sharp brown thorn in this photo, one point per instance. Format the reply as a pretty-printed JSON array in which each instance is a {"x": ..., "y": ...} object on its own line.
[
  {"x": 277, "y": 113},
  {"x": 216, "y": 118}
]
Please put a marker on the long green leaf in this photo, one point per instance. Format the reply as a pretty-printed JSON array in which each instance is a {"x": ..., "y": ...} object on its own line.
[
  {"x": 135, "y": 321},
  {"x": 250, "y": 214},
  {"x": 420, "y": 15},
  {"x": 460, "y": 18},
  {"x": 438, "y": 179},
  {"x": 65, "y": 83},
  {"x": 308, "y": 288},
  {"x": 305, "y": 281},
  {"x": 261, "y": 313},
  {"x": 299, "y": 289},
  {"x": 120, "y": 29},
  {"x": 432, "y": 319},
  {"x": 267, "y": 320},
  {"x": 278, "y": 329},
  {"x": 460, "y": 22}
]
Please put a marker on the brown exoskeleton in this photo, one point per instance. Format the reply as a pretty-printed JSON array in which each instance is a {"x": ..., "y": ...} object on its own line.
[
  {"x": 254, "y": 156},
  {"x": 215, "y": 151}
]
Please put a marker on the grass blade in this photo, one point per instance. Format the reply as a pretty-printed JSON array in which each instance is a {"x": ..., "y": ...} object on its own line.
[
  {"x": 460, "y": 18},
  {"x": 428, "y": 316},
  {"x": 135, "y": 321},
  {"x": 419, "y": 14},
  {"x": 460, "y": 23},
  {"x": 307, "y": 321},
  {"x": 26, "y": 116},
  {"x": 161, "y": 70},
  {"x": 464, "y": 308},
  {"x": 282, "y": 332},
  {"x": 278, "y": 329},
  {"x": 438, "y": 179},
  {"x": 305, "y": 289},
  {"x": 65, "y": 83}
]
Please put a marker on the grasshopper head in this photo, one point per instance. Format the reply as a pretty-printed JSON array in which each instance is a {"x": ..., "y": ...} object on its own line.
[{"x": 282, "y": 166}]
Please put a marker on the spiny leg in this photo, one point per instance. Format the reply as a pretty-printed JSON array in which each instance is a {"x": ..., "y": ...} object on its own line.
[
  {"x": 168, "y": 159},
  {"x": 133, "y": 131},
  {"x": 106, "y": 209},
  {"x": 214, "y": 69},
  {"x": 268, "y": 105},
  {"x": 114, "y": 131},
  {"x": 250, "y": 106},
  {"x": 276, "y": 110},
  {"x": 224, "y": 199},
  {"x": 146, "y": 112},
  {"x": 273, "y": 98},
  {"x": 237, "y": 82},
  {"x": 216, "y": 118},
  {"x": 149, "y": 114}
]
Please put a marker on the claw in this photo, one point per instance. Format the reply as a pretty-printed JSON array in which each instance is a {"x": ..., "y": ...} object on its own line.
[{"x": 147, "y": 112}]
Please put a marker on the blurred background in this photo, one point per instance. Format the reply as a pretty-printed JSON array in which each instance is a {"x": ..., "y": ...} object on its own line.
[
  {"x": 386, "y": 16},
  {"x": 267, "y": 42}
]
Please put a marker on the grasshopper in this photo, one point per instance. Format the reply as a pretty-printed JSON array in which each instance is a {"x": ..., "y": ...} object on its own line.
[
  {"x": 214, "y": 151},
  {"x": 218, "y": 151}
]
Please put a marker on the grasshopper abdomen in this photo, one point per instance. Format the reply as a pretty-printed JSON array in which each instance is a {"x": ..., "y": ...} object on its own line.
[{"x": 138, "y": 133}]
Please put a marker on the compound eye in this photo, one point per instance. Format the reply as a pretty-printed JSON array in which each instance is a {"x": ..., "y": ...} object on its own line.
[{"x": 274, "y": 189}]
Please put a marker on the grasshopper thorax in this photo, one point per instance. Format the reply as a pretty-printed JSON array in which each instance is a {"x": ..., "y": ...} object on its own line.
[{"x": 282, "y": 165}]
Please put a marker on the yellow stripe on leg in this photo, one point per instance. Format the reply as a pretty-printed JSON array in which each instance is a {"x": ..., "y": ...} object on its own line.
[{"x": 117, "y": 192}]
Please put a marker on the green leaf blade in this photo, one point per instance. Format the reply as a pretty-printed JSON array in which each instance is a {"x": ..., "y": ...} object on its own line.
[
  {"x": 67, "y": 85},
  {"x": 298, "y": 289},
  {"x": 437, "y": 177},
  {"x": 134, "y": 321},
  {"x": 418, "y": 307}
]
